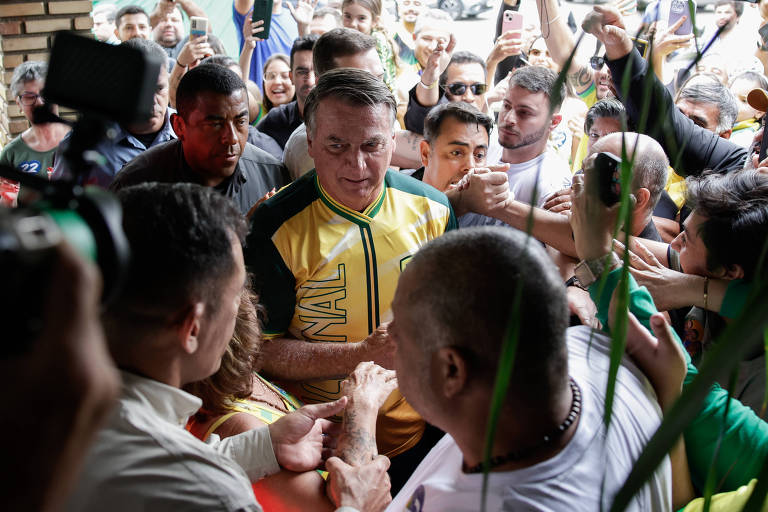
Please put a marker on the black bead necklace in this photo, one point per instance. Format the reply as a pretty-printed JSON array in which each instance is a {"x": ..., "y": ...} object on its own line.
[{"x": 524, "y": 453}]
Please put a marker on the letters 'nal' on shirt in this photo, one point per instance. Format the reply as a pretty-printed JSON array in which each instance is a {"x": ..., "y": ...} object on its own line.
[{"x": 328, "y": 274}]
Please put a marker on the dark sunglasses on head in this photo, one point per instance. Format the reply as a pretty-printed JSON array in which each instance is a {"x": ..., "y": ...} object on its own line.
[{"x": 458, "y": 88}]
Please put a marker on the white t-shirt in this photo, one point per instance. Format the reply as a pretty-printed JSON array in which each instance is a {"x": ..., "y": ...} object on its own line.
[
  {"x": 571, "y": 480},
  {"x": 548, "y": 173}
]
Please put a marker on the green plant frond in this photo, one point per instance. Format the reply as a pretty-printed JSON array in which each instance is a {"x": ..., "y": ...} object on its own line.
[{"x": 727, "y": 351}]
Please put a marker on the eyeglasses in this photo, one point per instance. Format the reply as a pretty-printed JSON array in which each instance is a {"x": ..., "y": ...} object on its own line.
[
  {"x": 28, "y": 98},
  {"x": 459, "y": 88},
  {"x": 273, "y": 75},
  {"x": 597, "y": 62}
]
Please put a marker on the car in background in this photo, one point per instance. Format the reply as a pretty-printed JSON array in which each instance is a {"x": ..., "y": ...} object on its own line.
[{"x": 458, "y": 9}]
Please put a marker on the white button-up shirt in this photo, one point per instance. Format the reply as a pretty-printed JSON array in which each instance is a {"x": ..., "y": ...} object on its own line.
[{"x": 144, "y": 459}]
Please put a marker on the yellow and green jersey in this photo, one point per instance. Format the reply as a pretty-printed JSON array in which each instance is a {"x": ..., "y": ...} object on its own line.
[{"x": 328, "y": 274}]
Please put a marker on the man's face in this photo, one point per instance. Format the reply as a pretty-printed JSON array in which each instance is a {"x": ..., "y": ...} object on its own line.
[
  {"x": 601, "y": 127},
  {"x": 170, "y": 30},
  {"x": 458, "y": 148},
  {"x": 303, "y": 75},
  {"x": 159, "y": 108},
  {"x": 467, "y": 74},
  {"x": 102, "y": 28},
  {"x": 351, "y": 146},
  {"x": 214, "y": 134},
  {"x": 740, "y": 89},
  {"x": 693, "y": 253},
  {"x": 410, "y": 9},
  {"x": 427, "y": 40},
  {"x": 726, "y": 15},
  {"x": 524, "y": 119},
  {"x": 322, "y": 24},
  {"x": 132, "y": 26},
  {"x": 603, "y": 83},
  {"x": 218, "y": 322},
  {"x": 703, "y": 114},
  {"x": 367, "y": 61}
]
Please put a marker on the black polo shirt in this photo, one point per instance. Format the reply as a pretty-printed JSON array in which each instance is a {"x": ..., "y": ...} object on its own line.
[
  {"x": 256, "y": 173},
  {"x": 280, "y": 122}
]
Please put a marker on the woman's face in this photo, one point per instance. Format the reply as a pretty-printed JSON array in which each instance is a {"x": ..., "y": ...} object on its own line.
[
  {"x": 277, "y": 83},
  {"x": 357, "y": 17}
]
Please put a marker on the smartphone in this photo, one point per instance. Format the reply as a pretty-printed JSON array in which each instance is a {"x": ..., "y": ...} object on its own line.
[
  {"x": 607, "y": 169},
  {"x": 512, "y": 20},
  {"x": 262, "y": 10},
  {"x": 763, "y": 142},
  {"x": 198, "y": 26},
  {"x": 641, "y": 45},
  {"x": 678, "y": 9},
  {"x": 763, "y": 31}
]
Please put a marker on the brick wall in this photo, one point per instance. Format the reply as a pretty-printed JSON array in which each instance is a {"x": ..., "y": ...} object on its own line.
[{"x": 26, "y": 30}]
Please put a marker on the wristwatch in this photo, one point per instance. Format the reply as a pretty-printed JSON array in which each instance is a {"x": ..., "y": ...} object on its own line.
[
  {"x": 574, "y": 281},
  {"x": 589, "y": 271}
]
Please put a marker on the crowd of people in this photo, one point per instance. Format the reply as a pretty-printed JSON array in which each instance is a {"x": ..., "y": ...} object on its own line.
[{"x": 336, "y": 233}]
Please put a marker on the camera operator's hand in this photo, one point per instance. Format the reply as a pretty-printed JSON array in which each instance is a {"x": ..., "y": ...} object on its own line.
[
  {"x": 57, "y": 391},
  {"x": 592, "y": 222},
  {"x": 605, "y": 23}
]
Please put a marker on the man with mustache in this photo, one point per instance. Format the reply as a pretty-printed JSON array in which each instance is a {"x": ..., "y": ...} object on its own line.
[
  {"x": 530, "y": 112},
  {"x": 131, "y": 140},
  {"x": 212, "y": 148}
]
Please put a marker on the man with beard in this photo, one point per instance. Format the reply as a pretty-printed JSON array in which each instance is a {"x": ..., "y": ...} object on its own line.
[
  {"x": 525, "y": 123},
  {"x": 168, "y": 24}
]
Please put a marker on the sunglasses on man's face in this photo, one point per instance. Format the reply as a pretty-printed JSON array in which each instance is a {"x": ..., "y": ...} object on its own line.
[
  {"x": 597, "y": 62},
  {"x": 458, "y": 88}
]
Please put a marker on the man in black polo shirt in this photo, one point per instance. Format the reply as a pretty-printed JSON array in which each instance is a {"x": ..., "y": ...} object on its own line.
[
  {"x": 281, "y": 121},
  {"x": 211, "y": 150}
]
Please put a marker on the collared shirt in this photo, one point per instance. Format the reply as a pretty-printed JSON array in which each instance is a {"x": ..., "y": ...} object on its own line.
[
  {"x": 256, "y": 173},
  {"x": 115, "y": 152},
  {"x": 144, "y": 459}
]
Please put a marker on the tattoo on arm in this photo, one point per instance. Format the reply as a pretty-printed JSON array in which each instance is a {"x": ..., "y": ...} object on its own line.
[
  {"x": 357, "y": 444},
  {"x": 581, "y": 79}
]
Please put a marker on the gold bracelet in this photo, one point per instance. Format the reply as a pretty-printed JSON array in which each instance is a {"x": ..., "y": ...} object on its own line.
[
  {"x": 706, "y": 290},
  {"x": 428, "y": 87}
]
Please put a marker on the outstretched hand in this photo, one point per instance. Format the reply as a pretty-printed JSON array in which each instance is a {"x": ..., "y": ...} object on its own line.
[{"x": 299, "y": 438}]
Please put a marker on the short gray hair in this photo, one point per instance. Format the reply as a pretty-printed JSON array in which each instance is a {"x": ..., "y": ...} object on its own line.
[
  {"x": 349, "y": 85},
  {"x": 713, "y": 92},
  {"x": 27, "y": 72}
]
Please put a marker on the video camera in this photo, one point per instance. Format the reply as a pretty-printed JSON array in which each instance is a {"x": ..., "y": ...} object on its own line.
[{"x": 106, "y": 84}]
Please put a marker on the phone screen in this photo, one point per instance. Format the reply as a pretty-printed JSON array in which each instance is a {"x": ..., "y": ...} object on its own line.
[{"x": 678, "y": 9}]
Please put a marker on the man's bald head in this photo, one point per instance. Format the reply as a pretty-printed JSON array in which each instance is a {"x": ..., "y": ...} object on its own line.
[{"x": 651, "y": 163}]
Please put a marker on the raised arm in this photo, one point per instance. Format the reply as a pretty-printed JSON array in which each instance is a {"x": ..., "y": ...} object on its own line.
[
  {"x": 691, "y": 149},
  {"x": 560, "y": 43}
]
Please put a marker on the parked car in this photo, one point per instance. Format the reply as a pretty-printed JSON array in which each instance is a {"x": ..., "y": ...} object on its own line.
[{"x": 458, "y": 9}]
